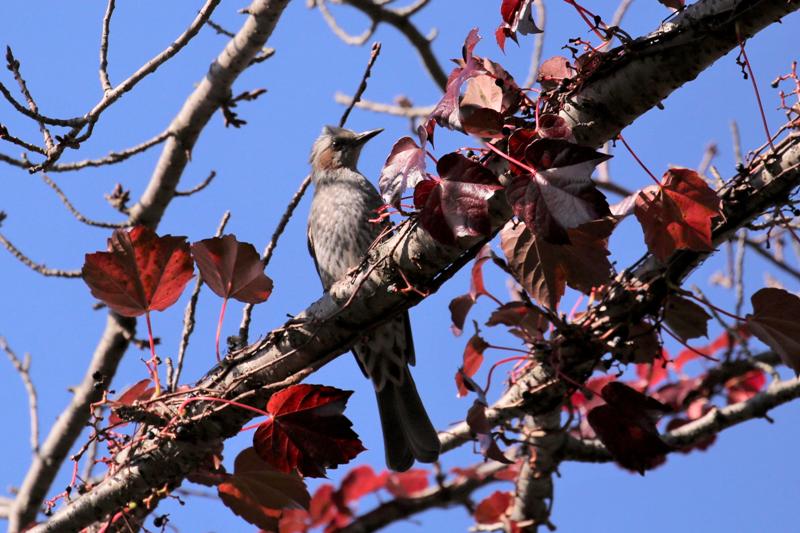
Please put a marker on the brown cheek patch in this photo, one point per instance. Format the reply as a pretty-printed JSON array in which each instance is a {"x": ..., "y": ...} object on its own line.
[{"x": 326, "y": 159}]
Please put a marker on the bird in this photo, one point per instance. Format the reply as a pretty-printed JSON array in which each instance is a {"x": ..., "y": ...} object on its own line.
[{"x": 339, "y": 235}]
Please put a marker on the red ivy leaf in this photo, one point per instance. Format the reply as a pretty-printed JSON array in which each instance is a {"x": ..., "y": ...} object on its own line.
[
  {"x": 257, "y": 493},
  {"x": 775, "y": 322},
  {"x": 492, "y": 508},
  {"x": 307, "y": 431},
  {"x": 139, "y": 391},
  {"x": 359, "y": 482},
  {"x": 524, "y": 320},
  {"x": 685, "y": 318},
  {"x": 560, "y": 195},
  {"x": 553, "y": 71},
  {"x": 404, "y": 168},
  {"x": 446, "y": 112},
  {"x": 473, "y": 359},
  {"x": 141, "y": 272},
  {"x": 517, "y": 17},
  {"x": 406, "y": 484},
  {"x": 742, "y": 388},
  {"x": 460, "y": 305},
  {"x": 456, "y": 205},
  {"x": 232, "y": 269},
  {"x": 678, "y": 214},
  {"x": 482, "y": 430},
  {"x": 627, "y": 426},
  {"x": 677, "y": 5},
  {"x": 544, "y": 268}
]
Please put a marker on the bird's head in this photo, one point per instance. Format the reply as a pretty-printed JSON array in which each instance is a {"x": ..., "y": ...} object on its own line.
[{"x": 339, "y": 148}]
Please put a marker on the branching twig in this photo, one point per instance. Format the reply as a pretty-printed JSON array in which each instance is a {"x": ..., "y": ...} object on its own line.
[
  {"x": 199, "y": 187},
  {"x": 353, "y": 40},
  {"x": 400, "y": 20},
  {"x": 13, "y": 66},
  {"x": 38, "y": 267},
  {"x": 22, "y": 367},
  {"x": 77, "y": 214},
  {"x": 105, "y": 83},
  {"x": 389, "y": 109}
]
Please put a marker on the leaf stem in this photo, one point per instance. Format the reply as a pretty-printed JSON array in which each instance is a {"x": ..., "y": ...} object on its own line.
[
  {"x": 219, "y": 324},
  {"x": 152, "y": 365}
]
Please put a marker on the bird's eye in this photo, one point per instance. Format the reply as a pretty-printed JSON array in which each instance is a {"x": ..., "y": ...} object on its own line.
[{"x": 336, "y": 144}]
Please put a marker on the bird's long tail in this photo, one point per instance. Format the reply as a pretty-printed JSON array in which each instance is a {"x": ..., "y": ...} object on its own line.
[{"x": 407, "y": 431}]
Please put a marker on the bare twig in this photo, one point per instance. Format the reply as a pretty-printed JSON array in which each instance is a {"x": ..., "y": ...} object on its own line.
[
  {"x": 756, "y": 247},
  {"x": 389, "y": 109},
  {"x": 105, "y": 83},
  {"x": 199, "y": 187},
  {"x": 77, "y": 214},
  {"x": 74, "y": 136},
  {"x": 219, "y": 29},
  {"x": 619, "y": 14},
  {"x": 22, "y": 366},
  {"x": 352, "y": 40},
  {"x": 188, "y": 315},
  {"x": 38, "y": 267},
  {"x": 376, "y": 50},
  {"x": 13, "y": 66},
  {"x": 400, "y": 20}
]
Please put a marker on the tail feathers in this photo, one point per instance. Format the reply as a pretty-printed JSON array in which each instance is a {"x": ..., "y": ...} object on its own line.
[{"x": 407, "y": 431}]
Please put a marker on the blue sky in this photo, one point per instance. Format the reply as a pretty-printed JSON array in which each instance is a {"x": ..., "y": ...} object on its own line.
[{"x": 746, "y": 482}]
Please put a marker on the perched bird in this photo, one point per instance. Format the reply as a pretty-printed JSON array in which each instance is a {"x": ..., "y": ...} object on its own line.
[{"x": 339, "y": 235}]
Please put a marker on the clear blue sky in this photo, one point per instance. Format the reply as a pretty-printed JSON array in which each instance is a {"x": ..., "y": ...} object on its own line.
[{"x": 746, "y": 482}]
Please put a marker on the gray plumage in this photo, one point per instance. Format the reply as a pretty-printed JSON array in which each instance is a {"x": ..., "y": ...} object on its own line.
[{"x": 339, "y": 235}]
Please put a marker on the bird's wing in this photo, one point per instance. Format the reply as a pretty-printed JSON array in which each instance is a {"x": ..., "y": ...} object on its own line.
[{"x": 311, "y": 251}]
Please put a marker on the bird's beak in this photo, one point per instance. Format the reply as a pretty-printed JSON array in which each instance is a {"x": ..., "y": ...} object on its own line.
[{"x": 361, "y": 138}]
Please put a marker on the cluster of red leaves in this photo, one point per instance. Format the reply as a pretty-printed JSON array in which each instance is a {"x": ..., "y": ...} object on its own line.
[
  {"x": 332, "y": 508},
  {"x": 624, "y": 417},
  {"x": 143, "y": 272}
]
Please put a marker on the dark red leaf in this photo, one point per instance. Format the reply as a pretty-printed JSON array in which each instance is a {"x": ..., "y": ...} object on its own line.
[
  {"x": 627, "y": 427},
  {"x": 651, "y": 374},
  {"x": 404, "y": 168},
  {"x": 525, "y": 321},
  {"x": 232, "y": 269},
  {"x": 460, "y": 306},
  {"x": 552, "y": 126},
  {"x": 492, "y": 508},
  {"x": 517, "y": 17},
  {"x": 456, "y": 205},
  {"x": 543, "y": 269},
  {"x": 140, "y": 391},
  {"x": 678, "y": 214},
  {"x": 775, "y": 322},
  {"x": 674, "y": 4},
  {"x": 446, "y": 112},
  {"x": 685, "y": 318},
  {"x": 257, "y": 493},
  {"x": 359, "y": 482},
  {"x": 307, "y": 431},
  {"x": 473, "y": 359},
  {"x": 141, "y": 272},
  {"x": 553, "y": 71},
  {"x": 407, "y": 484},
  {"x": 481, "y": 429},
  {"x": 675, "y": 394},
  {"x": 560, "y": 195}
]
